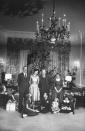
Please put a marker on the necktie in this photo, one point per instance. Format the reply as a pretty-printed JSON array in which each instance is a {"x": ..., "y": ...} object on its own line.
[{"x": 25, "y": 75}]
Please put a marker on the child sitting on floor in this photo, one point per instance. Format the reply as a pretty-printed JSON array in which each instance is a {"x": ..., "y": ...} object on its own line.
[{"x": 55, "y": 106}]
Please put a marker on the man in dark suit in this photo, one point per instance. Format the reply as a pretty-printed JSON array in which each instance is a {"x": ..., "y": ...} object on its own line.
[
  {"x": 44, "y": 87},
  {"x": 23, "y": 84}
]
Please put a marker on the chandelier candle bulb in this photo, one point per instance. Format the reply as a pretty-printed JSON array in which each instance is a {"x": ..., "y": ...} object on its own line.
[
  {"x": 50, "y": 22},
  {"x": 68, "y": 26},
  {"x": 59, "y": 21},
  {"x": 37, "y": 27},
  {"x": 42, "y": 19},
  {"x": 54, "y": 12},
  {"x": 63, "y": 21}
]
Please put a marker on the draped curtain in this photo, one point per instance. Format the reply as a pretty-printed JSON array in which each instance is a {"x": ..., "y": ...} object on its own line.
[{"x": 23, "y": 59}]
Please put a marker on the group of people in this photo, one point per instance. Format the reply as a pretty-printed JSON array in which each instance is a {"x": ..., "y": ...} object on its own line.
[{"x": 37, "y": 88}]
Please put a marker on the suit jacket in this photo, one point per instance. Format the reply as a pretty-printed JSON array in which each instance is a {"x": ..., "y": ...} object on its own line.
[
  {"x": 43, "y": 85},
  {"x": 23, "y": 83}
]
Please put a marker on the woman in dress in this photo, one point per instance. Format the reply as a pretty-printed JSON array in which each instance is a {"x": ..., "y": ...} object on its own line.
[
  {"x": 34, "y": 89},
  {"x": 57, "y": 87}
]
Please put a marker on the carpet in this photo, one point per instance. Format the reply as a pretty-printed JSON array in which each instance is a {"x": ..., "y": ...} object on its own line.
[{"x": 11, "y": 121}]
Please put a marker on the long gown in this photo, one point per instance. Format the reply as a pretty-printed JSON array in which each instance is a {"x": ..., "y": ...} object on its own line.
[
  {"x": 57, "y": 92},
  {"x": 34, "y": 89}
]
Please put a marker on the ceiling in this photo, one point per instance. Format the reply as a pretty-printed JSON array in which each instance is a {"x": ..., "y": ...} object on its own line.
[
  {"x": 21, "y": 15},
  {"x": 20, "y": 7}
]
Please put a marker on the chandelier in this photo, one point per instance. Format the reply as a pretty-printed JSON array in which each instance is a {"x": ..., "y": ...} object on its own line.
[{"x": 57, "y": 31}]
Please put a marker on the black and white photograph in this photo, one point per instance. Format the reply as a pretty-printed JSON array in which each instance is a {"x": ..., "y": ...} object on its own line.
[{"x": 42, "y": 65}]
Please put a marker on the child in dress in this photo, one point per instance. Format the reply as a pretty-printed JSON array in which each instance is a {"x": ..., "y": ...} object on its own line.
[
  {"x": 66, "y": 105},
  {"x": 55, "y": 106}
]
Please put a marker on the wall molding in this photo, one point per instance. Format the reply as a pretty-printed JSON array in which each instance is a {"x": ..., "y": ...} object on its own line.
[{"x": 4, "y": 34}]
